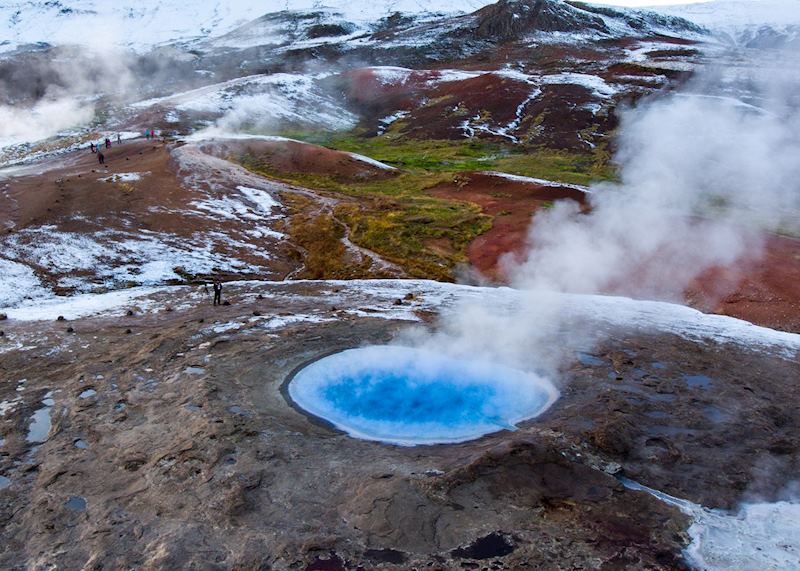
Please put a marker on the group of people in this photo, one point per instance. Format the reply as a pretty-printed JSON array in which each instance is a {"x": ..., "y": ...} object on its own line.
[{"x": 98, "y": 148}]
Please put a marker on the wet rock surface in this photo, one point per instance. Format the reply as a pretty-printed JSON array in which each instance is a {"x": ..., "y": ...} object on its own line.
[{"x": 191, "y": 456}]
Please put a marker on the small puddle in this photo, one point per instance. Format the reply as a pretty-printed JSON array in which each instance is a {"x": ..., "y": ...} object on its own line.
[
  {"x": 697, "y": 382},
  {"x": 194, "y": 370},
  {"x": 588, "y": 360},
  {"x": 40, "y": 424},
  {"x": 88, "y": 393},
  {"x": 238, "y": 411},
  {"x": 493, "y": 545},
  {"x": 4, "y": 482},
  {"x": 81, "y": 444},
  {"x": 715, "y": 414},
  {"x": 76, "y": 503}
]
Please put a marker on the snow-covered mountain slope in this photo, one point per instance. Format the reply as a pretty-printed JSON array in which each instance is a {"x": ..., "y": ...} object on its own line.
[
  {"x": 750, "y": 23},
  {"x": 732, "y": 13},
  {"x": 142, "y": 24}
]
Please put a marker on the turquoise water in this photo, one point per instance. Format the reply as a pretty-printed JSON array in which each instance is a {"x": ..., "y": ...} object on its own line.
[{"x": 411, "y": 396}]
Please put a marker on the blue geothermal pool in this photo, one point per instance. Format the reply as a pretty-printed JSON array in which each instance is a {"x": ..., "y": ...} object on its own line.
[{"x": 410, "y": 396}]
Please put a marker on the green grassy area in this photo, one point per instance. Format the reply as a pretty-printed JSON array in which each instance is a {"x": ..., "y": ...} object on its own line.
[
  {"x": 446, "y": 156},
  {"x": 395, "y": 216}
]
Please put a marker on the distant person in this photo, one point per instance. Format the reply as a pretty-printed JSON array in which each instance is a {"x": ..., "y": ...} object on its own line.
[
  {"x": 101, "y": 157},
  {"x": 147, "y": 134},
  {"x": 108, "y": 143},
  {"x": 91, "y": 146},
  {"x": 217, "y": 293},
  {"x": 119, "y": 139}
]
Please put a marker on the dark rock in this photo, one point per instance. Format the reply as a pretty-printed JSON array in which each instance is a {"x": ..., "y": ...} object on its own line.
[
  {"x": 3, "y": 316},
  {"x": 329, "y": 30},
  {"x": 70, "y": 330},
  {"x": 513, "y": 19},
  {"x": 60, "y": 318}
]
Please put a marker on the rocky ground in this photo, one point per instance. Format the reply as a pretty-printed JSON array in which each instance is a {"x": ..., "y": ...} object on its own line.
[
  {"x": 165, "y": 438},
  {"x": 141, "y": 427}
]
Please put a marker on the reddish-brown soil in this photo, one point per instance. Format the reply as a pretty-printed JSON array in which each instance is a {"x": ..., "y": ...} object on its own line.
[
  {"x": 512, "y": 204},
  {"x": 298, "y": 157},
  {"x": 72, "y": 187},
  {"x": 439, "y": 110},
  {"x": 765, "y": 291}
]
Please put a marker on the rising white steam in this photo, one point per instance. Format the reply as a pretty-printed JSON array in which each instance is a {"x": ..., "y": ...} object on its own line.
[
  {"x": 42, "y": 120},
  {"x": 78, "y": 78},
  {"x": 702, "y": 176}
]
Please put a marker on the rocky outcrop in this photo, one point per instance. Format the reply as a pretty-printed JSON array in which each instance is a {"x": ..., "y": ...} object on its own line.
[{"x": 512, "y": 19}]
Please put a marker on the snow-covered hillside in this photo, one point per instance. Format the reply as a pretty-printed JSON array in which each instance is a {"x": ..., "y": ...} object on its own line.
[
  {"x": 757, "y": 23},
  {"x": 737, "y": 13},
  {"x": 142, "y": 24}
]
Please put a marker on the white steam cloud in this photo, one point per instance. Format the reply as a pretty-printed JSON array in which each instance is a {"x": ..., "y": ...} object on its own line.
[
  {"x": 75, "y": 80},
  {"x": 703, "y": 177},
  {"x": 42, "y": 120}
]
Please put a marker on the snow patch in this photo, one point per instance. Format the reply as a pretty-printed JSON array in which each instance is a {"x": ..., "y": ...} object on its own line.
[
  {"x": 372, "y": 162},
  {"x": 759, "y": 536},
  {"x": 537, "y": 181},
  {"x": 125, "y": 177}
]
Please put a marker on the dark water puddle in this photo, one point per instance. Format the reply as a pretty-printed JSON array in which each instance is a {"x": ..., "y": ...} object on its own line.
[
  {"x": 697, "y": 382},
  {"x": 76, "y": 503},
  {"x": 81, "y": 444},
  {"x": 4, "y": 482},
  {"x": 657, "y": 414},
  {"x": 386, "y": 556},
  {"x": 658, "y": 365},
  {"x": 192, "y": 408},
  {"x": 493, "y": 545},
  {"x": 40, "y": 424},
  {"x": 588, "y": 360}
]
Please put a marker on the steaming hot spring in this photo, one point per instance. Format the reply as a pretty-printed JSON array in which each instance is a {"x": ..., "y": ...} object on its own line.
[{"x": 408, "y": 396}]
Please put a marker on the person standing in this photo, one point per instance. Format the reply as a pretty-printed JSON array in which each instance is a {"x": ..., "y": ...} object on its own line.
[
  {"x": 119, "y": 139},
  {"x": 91, "y": 146},
  {"x": 217, "y": 293},
  {"x": 101, "y": 157}
]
